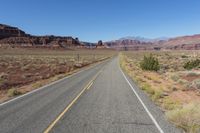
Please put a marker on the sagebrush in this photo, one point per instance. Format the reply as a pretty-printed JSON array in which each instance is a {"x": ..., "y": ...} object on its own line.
[
  {"x": 150, "y": 63},
  {"x": 192, "y": 64}
]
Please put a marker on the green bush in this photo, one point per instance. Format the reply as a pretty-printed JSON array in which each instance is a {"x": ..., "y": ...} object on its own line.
[
  {"x": 192, "y": 64},
  {"x": 150, "y": 63}
]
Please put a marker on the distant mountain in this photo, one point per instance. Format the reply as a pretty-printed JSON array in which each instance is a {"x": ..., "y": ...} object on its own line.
[
  {"x": 129, "y": 44},
  {"x": 140, "y": 43},
  {"x": 143, "y": 39},
  {"x": 191, "y": 42},
  {"x": 135, "y": 43}
]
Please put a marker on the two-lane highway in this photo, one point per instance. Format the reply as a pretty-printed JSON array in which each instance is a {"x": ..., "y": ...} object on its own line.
[
  {"x": 98, "y": 100},
  {"x": 33, "y": 113}
]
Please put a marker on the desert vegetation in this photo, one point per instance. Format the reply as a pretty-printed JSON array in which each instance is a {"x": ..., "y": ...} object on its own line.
[
  {"x": 22, "y": 70},
  {"x": 174, "y": 84},
  {"x": 150, "y": 63},
  {"x": 192, "y": 64}
]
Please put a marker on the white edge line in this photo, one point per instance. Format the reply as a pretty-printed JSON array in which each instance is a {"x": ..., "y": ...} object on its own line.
[
  {"x": 145, "y": 107},
  {"x": 43, "y": 87}
]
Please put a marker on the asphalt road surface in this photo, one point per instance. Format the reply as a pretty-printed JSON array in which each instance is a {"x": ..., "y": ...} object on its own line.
[{"x": 100, "y": 99}]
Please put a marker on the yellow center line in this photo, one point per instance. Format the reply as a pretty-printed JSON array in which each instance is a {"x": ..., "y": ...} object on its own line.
[{"x": 87, "y": 87}]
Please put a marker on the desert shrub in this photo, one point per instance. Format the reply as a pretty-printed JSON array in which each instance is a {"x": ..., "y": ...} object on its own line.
[
  {"x": 150, "y": 63},
  {"x": 184, "y": 56},
  {"x": 13, "y": 92},
  {"x": 192, "y": 74},
  {"x": 146, "y": 87},
  {"x": 170, "y": 104},
  {"x": 3, "y": 75},
  {"x": 173, "y": 88},
  {"x": 197, "y": 84},
  {"x": 157, "y": 95},
  {"x": 182, "y": 81},
  {"x": 165, "y": 66},
  {"x": 187, "y": 86},
  {"x": 1, "y": 81},
  {"x": 36, "y": 85},
  {"x": 175, "y": 77},
  {"x": 192, "y": 64},
  {"x": 187, "y": 117}
]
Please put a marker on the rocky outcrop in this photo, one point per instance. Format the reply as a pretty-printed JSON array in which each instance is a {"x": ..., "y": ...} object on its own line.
[
  {"x": 100, "y": 43},
  {"x": 39, "y": 41},
  {"x": 8, "y": 31},
  {"x": 14, "y": 37}
]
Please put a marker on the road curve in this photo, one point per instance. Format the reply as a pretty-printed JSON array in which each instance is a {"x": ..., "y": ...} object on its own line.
[{"x": 108, "y": 104}]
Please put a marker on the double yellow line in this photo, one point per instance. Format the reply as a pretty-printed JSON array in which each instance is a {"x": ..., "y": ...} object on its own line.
[{"x": 87, "y": 87}]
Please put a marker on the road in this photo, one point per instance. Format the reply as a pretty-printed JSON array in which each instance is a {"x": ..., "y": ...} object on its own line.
[{"x": 100, "y": 99}]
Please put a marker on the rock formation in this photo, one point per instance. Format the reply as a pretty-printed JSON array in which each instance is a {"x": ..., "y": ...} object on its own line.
[
  {"x": 8, "y": 31},
  {"x": 14, "y": 37}
]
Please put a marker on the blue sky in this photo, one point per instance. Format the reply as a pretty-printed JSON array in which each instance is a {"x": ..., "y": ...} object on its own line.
[{"x": 92, "y": 20}]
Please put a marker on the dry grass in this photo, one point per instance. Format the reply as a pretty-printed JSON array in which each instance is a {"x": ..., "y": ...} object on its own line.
[
  {"x": 173, "y": 88},
  {"x": 187, "y": 117}
]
